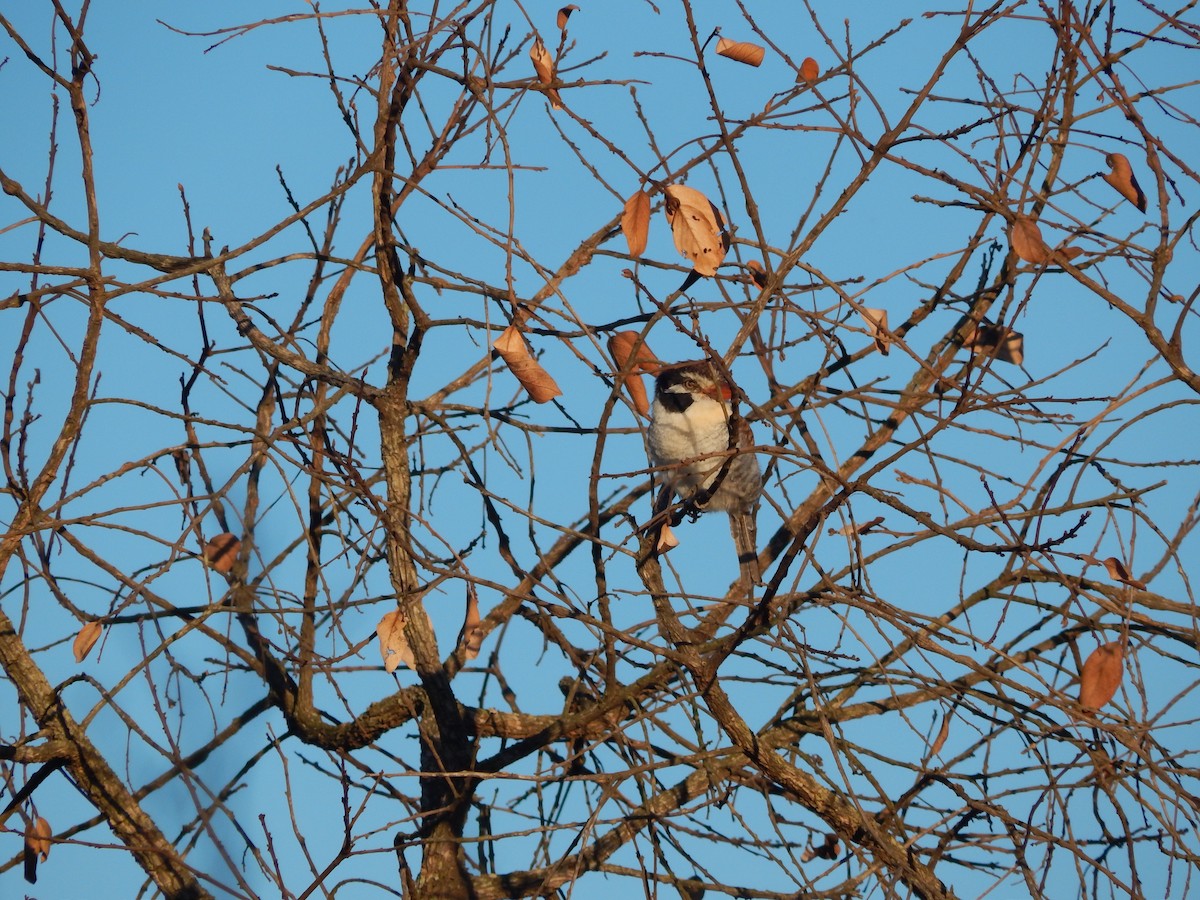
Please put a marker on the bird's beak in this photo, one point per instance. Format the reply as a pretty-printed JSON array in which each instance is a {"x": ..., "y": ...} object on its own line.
[{"x": 720, "y": 392}]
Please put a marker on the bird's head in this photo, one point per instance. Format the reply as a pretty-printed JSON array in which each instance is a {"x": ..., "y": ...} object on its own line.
[{"x": 679, "y": 386}]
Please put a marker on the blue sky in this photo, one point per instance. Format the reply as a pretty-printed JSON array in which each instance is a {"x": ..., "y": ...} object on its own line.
[{"x": 168, "y": 112}]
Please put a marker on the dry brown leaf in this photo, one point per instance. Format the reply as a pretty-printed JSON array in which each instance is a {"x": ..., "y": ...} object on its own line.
[
  {"x": 37, "y": 844},
  {"x": 809, "y": 70},
  {"x": 741, "y": 51},
  {"x": 1026, "y": 240},
  {"x": 543, "y": 64},
  {"x": 876, "y": 320},
  {"x": 828, "y": 849},
  {"x": 1002, "y": 344},
  {"x": 666, "y": 540},
  {"x": 1123, "y": 180},
  {"x": 637, "y": 393},
  {"x": 635, "y": 223},
  {"x": 39, "y": 837},
  {"x": 222, "y": 552},
  {"x": 943, "y": 733},
  {"x": 564, "y": 14},
  {"x": 393, "y": 645},
  {"x": 629, "y": 345},
  {"x": 1067, "y": 253},
  {"x": 1101, "y": 675},
  {"x": 1118, "y": 572},
  {"x": 696, "y": 228},
  {"x": 86, "y": 639},
  {"x": 633, "y": 356},
  {"x": 757, "y": 272},
  {"x": 471, "y": 636},
  {"x": 536, "y": 380}
]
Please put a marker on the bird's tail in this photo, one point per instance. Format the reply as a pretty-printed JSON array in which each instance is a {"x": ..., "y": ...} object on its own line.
[{"x": 744, "y": 528}]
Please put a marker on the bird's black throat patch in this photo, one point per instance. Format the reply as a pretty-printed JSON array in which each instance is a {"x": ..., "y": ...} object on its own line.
[{"x": 675, "y": 402}]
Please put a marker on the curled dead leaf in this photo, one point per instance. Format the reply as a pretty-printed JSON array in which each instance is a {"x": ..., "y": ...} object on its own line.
[
  {"x": 1118, "y": 572},
  {"x": 757, "y": 272},
  {"x": 543, "y": 62},
  {"x": 1066, "y": 253},
  {"x": 940, "y": 741},
  {"x": 1122, "y": 179},
  {"x": 37, "y": 845},
  {"x": 1101, "y": 675},
  {"x": 637, "y": 393},
  {"x": 39, "y": 837},
  {"x": 666, "y": 540},
  {"x": 222, "y": 552},
  {"x": 635, "y": 223},
  {"x": 527, "y": 370},
  {"x": 741, "y": 51},
  {"x": 470, "y": 638},
  {"x": 809, "y": 70},
  {"x": 696, "y": 228},
  {"x": 876, "y": 320},
  {"x": 633, "y": 356},
  {"x": 1002, "y": 344},
  {"x": 86, "y": 639},
  {"x": 1026, "y": 240},
  {"x": 829, "y": 848},
  {"x": 543, "y": 65},
  {"x": 564, "y": 14},
  {"x": 393, "y": 645}
]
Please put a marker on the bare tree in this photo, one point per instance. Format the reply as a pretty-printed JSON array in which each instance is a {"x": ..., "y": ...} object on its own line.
[{"x": 260, "y": 476}]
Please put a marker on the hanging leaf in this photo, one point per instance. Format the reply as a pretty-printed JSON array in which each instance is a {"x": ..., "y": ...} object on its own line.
[
  {"x": 222, "y": 552},
  {"x": 666, "y": 540},
  {"x": 1002, "y": 344},
  {"x": 876, "y": 320},
  {"x": 1118, "y": 572},
  {"x": 536, "y": 380},
  {"x": 1066, "y": 253},
  {"x": 635, "y": 223},
  {"x": 629, "y": 347},
  {"x": 1123, "y": 180},
  {"x": 827, "y": 849},
  {"x": 543, "y": 64},
  {"x": 809, "y": 70},
  {"x": 1026, "y": 240},
  {"x": 37, "y": 846},
  {"x": 564, "y": 14},
  {"x": 940, "y": 741},
  {"x": 393, "y": 645},
  {"x": 757, "y": 272},
  {"x": 633, "y": 356},
  {"x": 41, "y": 835},
  {"x": 740, "y": 51},
  {"x": 470, "y": 638},
  {"x": 696, "y": 228},
  {"x": 86, "y": 639},
  {"x": 1101, "y": 675}
]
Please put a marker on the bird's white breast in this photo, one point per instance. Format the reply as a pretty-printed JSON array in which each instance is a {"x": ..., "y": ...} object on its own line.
[{"x": 700, "y": 430}]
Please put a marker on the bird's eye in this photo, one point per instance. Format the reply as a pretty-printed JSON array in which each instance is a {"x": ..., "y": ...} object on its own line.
[{"x": 690, "y": 384}]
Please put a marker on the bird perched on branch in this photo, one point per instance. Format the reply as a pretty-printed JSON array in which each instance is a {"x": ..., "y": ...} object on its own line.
[{"x": 705, "y": 460}]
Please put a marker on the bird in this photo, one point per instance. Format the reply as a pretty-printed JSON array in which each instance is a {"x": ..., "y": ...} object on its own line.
[{"x": 689, "y": 439}]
